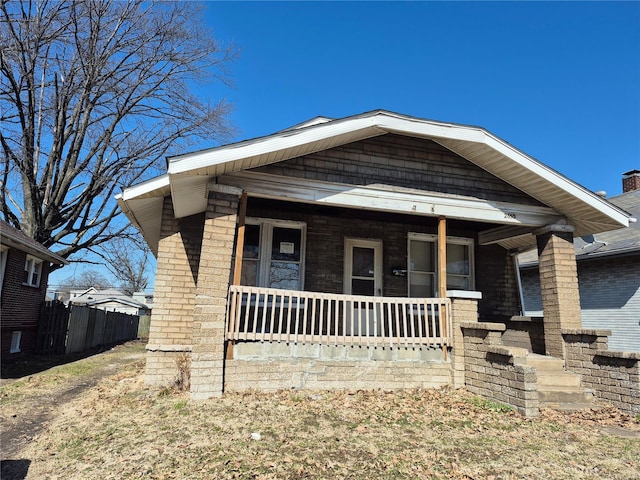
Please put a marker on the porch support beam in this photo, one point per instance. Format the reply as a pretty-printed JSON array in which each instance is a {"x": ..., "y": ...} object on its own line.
[
  {"x": 442, "y": 273},
  {"x": 505, "y": 232},
  {"x": 390, "y": 199},
  {"x": 237, "y": 268},
  {"x": 558, "y": 285},
  {"x": 442, "y": 257}
]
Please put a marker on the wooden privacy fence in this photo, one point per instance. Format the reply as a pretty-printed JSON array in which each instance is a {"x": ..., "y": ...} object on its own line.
[
  {"x": 78, "y": 328},
  {"x": 144, "y": 326},
  {"x": 90, "y": 327},
  {"x": 274, "y": 315},
  {"x": 52, "y": 328}
]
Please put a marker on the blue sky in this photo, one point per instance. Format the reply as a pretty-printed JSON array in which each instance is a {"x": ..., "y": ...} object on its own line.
[{"x": 560, "y": 81}]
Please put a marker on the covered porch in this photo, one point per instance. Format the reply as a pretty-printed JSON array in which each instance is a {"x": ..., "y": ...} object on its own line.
[{"x": 354, "y": 237}]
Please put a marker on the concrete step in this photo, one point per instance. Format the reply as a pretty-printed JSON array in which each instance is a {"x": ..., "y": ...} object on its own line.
[
  {"x": 558, "y": 379},
  {"x": 543, "y": 363},
  {"x": 557, "y": 388},
  {"x": 550, "y": 396}
]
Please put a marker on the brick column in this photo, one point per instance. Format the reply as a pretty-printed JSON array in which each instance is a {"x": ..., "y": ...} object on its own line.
[
  {"x": 207, "y": 358},
  {"x": 174, "y": 296},
  {"x": 559, "y": 285},
  {"x": 463, "y": 310}
]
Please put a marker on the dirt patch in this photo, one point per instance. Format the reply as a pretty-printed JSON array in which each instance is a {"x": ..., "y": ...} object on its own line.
[{"x": 29, "y": 404}]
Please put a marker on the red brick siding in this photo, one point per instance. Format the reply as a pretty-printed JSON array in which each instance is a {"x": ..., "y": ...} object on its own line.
[
  {"x": 400, "y": 161},
  {"x": 20, "y": 304}
]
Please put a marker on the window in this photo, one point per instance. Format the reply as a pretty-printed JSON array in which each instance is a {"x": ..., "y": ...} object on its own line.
[
  {"x": 32, "y": 271},
  {"x": 273, "y": 254},
  {"x": 4, "y": 252},
  {"x": 423, "y": 264},
  {"x": 15, "y": 342}
]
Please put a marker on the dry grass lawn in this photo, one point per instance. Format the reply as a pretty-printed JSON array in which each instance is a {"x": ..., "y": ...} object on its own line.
[{"x": 119, "y": 429}]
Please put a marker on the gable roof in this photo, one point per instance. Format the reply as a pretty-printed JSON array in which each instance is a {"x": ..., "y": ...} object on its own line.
[
  {"x": 96, "y": 297},
  {"x": 188, "y": 175},
  {"x": 17, "y": 239}
]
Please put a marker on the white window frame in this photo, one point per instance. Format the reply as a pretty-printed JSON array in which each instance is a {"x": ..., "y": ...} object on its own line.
[
  {"x": 32, "y": 266},
  {"x": 4, "y": 253},
  {"x": 265, "y": 248},
  {"x": 431, "y": 238},
  {"x": 16, "y": 337}
]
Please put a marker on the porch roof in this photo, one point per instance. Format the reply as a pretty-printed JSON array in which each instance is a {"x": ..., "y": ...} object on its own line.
[{"x": 188, "y": 175}]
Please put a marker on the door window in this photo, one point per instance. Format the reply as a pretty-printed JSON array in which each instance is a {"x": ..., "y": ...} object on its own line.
[{"x": 363, "y": 267}]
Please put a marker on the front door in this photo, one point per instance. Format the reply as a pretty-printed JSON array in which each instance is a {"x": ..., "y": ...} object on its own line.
[
  {"x": 363, "y": 267},
  {"x": 362, "y": 276}
]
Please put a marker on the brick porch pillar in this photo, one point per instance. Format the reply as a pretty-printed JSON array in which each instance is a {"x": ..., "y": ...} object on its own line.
[
  {"x": 559, "y": 285},
  {"x": 464, "y": 309},
  {"x": 170, "y": 332},
  {"x": 207, "y": 358}
]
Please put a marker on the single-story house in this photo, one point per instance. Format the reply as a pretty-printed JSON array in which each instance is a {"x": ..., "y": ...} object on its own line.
[
  {"x": 608, "y": 275},
  {"x": 24, "y": 270},
  {"x": 109, "y": 300},
  {"x": 370, "y": 251}
]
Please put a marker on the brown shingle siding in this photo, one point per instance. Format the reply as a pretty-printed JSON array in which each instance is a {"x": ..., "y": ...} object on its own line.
[{"x": 404, "y": 162}]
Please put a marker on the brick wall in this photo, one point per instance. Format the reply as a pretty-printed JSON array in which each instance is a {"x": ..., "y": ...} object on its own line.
[
  {"x": 20, "y": 304},
  {"x": 525, "y": 332},
  {"x": 614, "y": 376},
  {"x": 491, "y": 371},
  {"x": 171, "y": 327},
  {"x": 463, "y": 310},
  {"x": 400, "y": 161},
  {"x": 272, "y": 367}
]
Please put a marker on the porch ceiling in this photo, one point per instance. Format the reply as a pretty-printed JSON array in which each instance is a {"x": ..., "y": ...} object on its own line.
[{"x": 189, "y": 174}]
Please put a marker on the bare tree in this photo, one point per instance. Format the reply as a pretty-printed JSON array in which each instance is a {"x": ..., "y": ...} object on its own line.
[
  {"x": 93, "y": 95},
  {"x": 127, "y": 261},
  {"x": 86, "y": 279}
]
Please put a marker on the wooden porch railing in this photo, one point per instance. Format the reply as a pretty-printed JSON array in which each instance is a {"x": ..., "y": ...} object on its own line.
[{"x": 274, "y": 315}]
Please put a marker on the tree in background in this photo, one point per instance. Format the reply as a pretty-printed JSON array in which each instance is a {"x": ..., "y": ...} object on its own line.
[
  {"x": 86, "y": 279},
  {"x": 127, "y": 260},
  {"x": 93, "y": 95}
]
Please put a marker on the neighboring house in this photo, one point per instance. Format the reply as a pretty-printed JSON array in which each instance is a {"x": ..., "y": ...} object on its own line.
[
  {"x": 24, "y": 270},
  {"x": 109, "y": 300},
  {"x": 353, "y": 253},
  {"x": 144, "y": 297},
  {"x": 608, "y": 275}
]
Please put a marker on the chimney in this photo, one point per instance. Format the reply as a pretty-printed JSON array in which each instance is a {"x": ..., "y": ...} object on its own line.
[{"x": 631, "y": 181}]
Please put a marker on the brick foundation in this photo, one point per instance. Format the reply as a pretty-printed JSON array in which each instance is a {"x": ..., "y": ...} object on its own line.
[{"x": 350, "y": 368}]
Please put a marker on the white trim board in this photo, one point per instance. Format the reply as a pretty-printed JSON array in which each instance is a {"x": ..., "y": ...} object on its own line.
[{"x": 389, "y": 199}]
